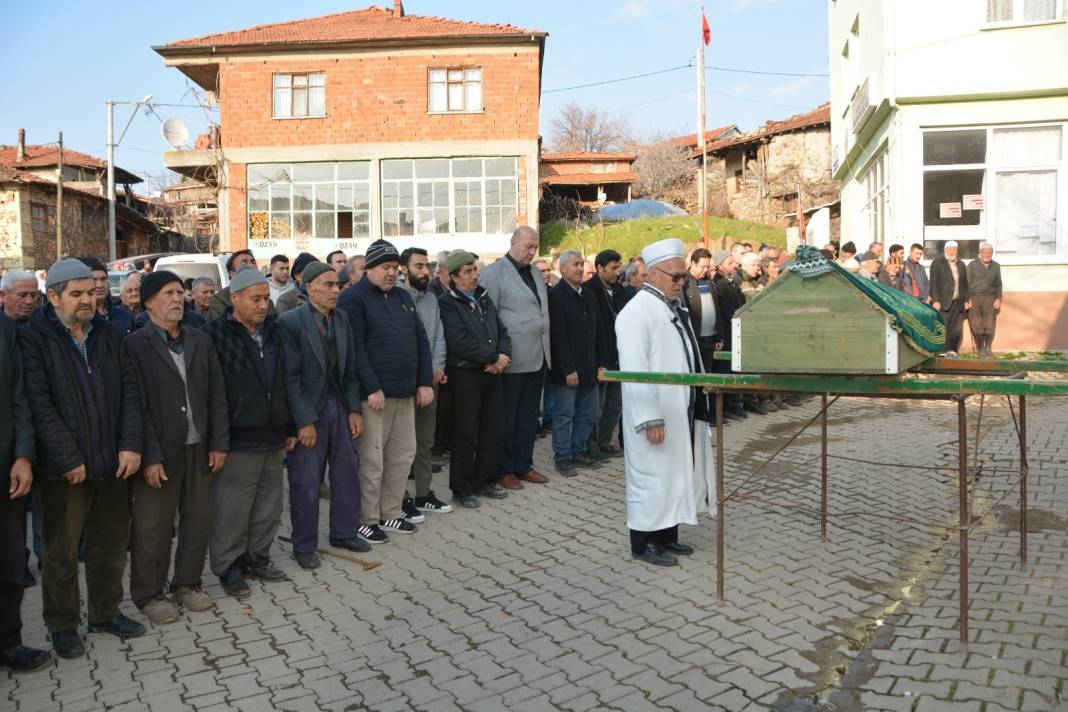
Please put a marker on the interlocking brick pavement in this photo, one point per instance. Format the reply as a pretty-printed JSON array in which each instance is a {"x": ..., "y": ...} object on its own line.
[{"x": 533, "y": 603}]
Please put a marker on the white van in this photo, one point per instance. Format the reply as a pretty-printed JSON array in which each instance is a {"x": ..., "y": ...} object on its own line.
[{"x": 197, "y": 265}]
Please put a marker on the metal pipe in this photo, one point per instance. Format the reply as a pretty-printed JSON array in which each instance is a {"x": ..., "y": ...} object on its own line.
[
  {"x": 823, "y": 470},
  {"x": 965, "y": 516},
  {"x": 1024, "y": 471},
  {"x": 111, "y": 182},
  {"x": 720, "y": 528}
]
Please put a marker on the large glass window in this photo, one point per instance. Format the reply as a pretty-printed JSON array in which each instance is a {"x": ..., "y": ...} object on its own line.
[
  {"x": 309, "y": 200},
  {"x": 1000, "y": 185},
  {"x": 442, "y": 196},
  {"x": 876, "y": 182}
]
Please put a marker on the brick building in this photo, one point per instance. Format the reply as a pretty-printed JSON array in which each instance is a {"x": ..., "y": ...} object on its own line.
[
  {"x": 590, "y": 178},
  {"x": 337, "y": 130}
]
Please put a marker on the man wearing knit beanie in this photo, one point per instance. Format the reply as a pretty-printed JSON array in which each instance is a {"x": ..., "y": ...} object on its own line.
[
  {"x": 86, "y": 410},
  {"x": 299, "y": 295},
  {"x": 395, "y": 366}
]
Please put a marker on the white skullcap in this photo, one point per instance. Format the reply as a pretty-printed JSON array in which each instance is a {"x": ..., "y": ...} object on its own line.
[
  {"x": 662, "y": 251},
  {"x": 950, "y": 243}
]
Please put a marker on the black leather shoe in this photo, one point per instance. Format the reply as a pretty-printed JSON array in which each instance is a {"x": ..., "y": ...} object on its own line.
[
  {"x": 676, "y": 548},
  {"x": 234, "y": 583},
  {"x": 120, "y": 626},
  {"x": 307, "y": 559},
  {"x": 356, "y": 543},
  {"x": 19, "y": 658},
  {"x": 266, "y": 572},
  {"x": 653, "y": 554},
  {"x": 68, "y": 644},
  {"x": 493, "y": 491},
  {"x": 584, "y": 460}
]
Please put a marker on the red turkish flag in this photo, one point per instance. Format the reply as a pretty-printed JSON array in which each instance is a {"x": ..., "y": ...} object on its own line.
[{"x": 706, "y": 31}]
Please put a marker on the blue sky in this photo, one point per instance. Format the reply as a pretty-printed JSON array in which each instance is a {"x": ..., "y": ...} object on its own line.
[{"x": 110, "y": 57}]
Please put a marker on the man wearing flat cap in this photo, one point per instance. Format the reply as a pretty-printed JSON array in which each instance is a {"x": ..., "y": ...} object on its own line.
[
  {"x": 869, "y": 265},
  {"x": 668, "y": 444},
  {"x": 86, "y": 409},
  {"x": 247, "y": 494},
  {"x": 323, "y": 391},
  {"x": 396, "y": 374},
  {"x": 186, "y": 440}
]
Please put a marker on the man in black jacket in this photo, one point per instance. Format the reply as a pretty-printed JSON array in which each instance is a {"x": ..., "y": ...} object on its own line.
[
  {"x": 86, "y": 410},
  {"x": 246, "y": 495},
  {"x": 610, "y": 298},
  {"x": 701, "y": 301},
  {"x": 578, "y": 354},
  {"x": 730, "y": 299},
  {"x": 949, "y": 294},
  {"x": 186, "y": 440},
  {"x": 323, "y": 392},
  {"x": 477, "y": 350},
  {"x": 113, "y": 313},
  {"x": 16, "y": 476},
  {"x": 395, "y": 366}
]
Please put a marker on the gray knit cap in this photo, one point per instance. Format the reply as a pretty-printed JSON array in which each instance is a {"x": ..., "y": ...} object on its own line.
[
  {"x": 65, "y": 270},
  {"x": 245, "y": 278}
]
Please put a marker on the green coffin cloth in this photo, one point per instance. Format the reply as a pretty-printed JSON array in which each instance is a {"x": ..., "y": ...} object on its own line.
[{"x": 920, "y": 324}]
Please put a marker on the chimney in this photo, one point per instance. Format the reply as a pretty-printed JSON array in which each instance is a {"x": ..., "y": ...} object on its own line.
[
  {"x": 20, "y": 154},
  {"x": 398, "y": 8}
]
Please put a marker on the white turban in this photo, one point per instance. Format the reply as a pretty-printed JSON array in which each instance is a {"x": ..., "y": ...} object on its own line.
[{"x": 662, "y": 251}]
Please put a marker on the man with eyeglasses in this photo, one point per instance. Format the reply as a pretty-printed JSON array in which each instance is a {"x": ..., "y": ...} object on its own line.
[{"x": 668, "y": 444}]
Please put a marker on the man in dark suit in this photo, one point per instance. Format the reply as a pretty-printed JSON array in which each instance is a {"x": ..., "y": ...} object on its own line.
[
  {"x": 610, "y": 297},
  {"x": 186, "y": 438},
  {"x": 324, "y": 398},
  {"x": 16, "y": 475},
  {"x": 86, "y": 410},
  {"x": 949, "y": 294}
]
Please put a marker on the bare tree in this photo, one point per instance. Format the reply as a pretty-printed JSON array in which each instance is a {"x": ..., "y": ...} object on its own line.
[
  {"x": 576, "y": 128},
  {"x": 662, "y": 166}
]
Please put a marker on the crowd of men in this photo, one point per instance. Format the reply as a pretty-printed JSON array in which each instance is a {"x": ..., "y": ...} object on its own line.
[{"x": 171, "y": 415}]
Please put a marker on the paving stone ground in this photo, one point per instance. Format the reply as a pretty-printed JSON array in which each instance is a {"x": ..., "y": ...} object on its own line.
[{"x": 533, "y": 603}]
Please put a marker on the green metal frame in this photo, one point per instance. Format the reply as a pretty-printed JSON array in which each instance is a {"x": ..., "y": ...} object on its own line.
[{"x": 984, "y": 365}]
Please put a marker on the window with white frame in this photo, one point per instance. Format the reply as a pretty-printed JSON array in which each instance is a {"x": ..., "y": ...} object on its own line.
[
  {"x": 449, "y": 196},
  {"x": 996, "y": 184},
  {"x": 876, "y": 185},
  {"x": 309, "y": 200},
  {"x": 454, "y": 89},
  {"x": 299, "y": 95},
  {"x": 1015, "y": 12}
]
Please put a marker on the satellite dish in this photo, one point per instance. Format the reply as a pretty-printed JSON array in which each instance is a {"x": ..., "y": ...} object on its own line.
[{"x": 175, "y": 132}]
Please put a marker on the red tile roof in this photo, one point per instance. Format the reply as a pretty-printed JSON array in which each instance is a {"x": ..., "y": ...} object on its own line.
[
  {"x": 817, "y": 117},
  {"x": 38, "y": 156},
  {"x": 569, "y": 156},
  {"x": 691, "y": 139},
  {"x": 369, "y": 24},
  {"x": 589, "y": 178}
]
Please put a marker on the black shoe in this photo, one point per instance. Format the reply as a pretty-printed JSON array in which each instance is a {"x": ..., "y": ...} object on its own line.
[
  {"x": 400, "y": 526},
  {"x": 357, "y": 544},
  {"x": 493, "y": 491},
  {"x": 771, "y": 406},
  {"x": 373, "y": 534},
  {"x": 566, "y": 468},
  {"x": 68, "y": 644},
  {"x": 467, "y": 501},
  {"x": 756, "y": 408},
  {"x": 307, "y": 559},
  {"x": 675, "y": 547},
  {"x": 266, "y": 572},
  {"x": 19, "y": 658},
  {"x": 120, "y": 626},
  {"x": 233, "y": 583},
  {"x": 585, "y": 461},
  {"x": 411, "y": 512},
  {"x": 653, "y": 554},
  {"x": 436, "y": 468},
  {"x": 739, "y": 412},
  {"x": 610, "y": 451},
  {"x": 432, "y": 504},
  {"x": 729, "y": 415},
  {"x": 793, "y": 400}
]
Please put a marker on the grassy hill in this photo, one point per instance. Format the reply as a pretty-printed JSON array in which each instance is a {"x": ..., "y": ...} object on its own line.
[{"x": 628, "y": 238}]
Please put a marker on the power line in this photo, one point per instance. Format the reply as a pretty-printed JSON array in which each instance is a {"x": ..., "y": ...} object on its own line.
[
  {"x": 770, "y": 74},
  {"x": 758, "y": 101},
  {"x": 618, "y": 79}
]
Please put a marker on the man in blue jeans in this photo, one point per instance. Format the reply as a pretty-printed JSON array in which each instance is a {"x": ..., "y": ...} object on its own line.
[{"x": 578, "y": 355}]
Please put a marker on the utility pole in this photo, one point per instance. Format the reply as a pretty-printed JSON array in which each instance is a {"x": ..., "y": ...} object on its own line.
[
  {"x": 702, "y": 197},
  {"x": 59, "y": 201},
  {"x": 111, "y": 182}
]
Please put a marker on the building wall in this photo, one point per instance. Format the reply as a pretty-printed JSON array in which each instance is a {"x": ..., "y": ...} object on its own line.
[
  {"x": 550, "y": 168},
  {"x": 10, "y": 228}
]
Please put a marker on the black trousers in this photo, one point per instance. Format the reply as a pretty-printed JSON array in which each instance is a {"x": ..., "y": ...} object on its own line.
[
  {"x": 639, "y": 539},
  {"x": 476, "y": 413},
  {"x": 954, "y": 316},
  {"x": 12, "y": 568},
  {"x": 522, "y": 401},
  {"x": 442, "y": 418}
]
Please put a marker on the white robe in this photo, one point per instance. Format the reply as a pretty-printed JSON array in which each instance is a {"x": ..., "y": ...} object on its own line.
[{"x": 669, "y": 483}]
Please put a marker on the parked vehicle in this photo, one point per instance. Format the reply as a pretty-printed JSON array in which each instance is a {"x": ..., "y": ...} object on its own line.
[
  {"x": 115, "y": 280},
  {"x": 193, "y": 265},
  {"x": 135, "y": 262}
]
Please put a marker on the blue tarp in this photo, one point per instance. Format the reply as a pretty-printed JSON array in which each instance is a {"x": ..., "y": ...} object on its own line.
[{"x": 640, "y": 208}]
